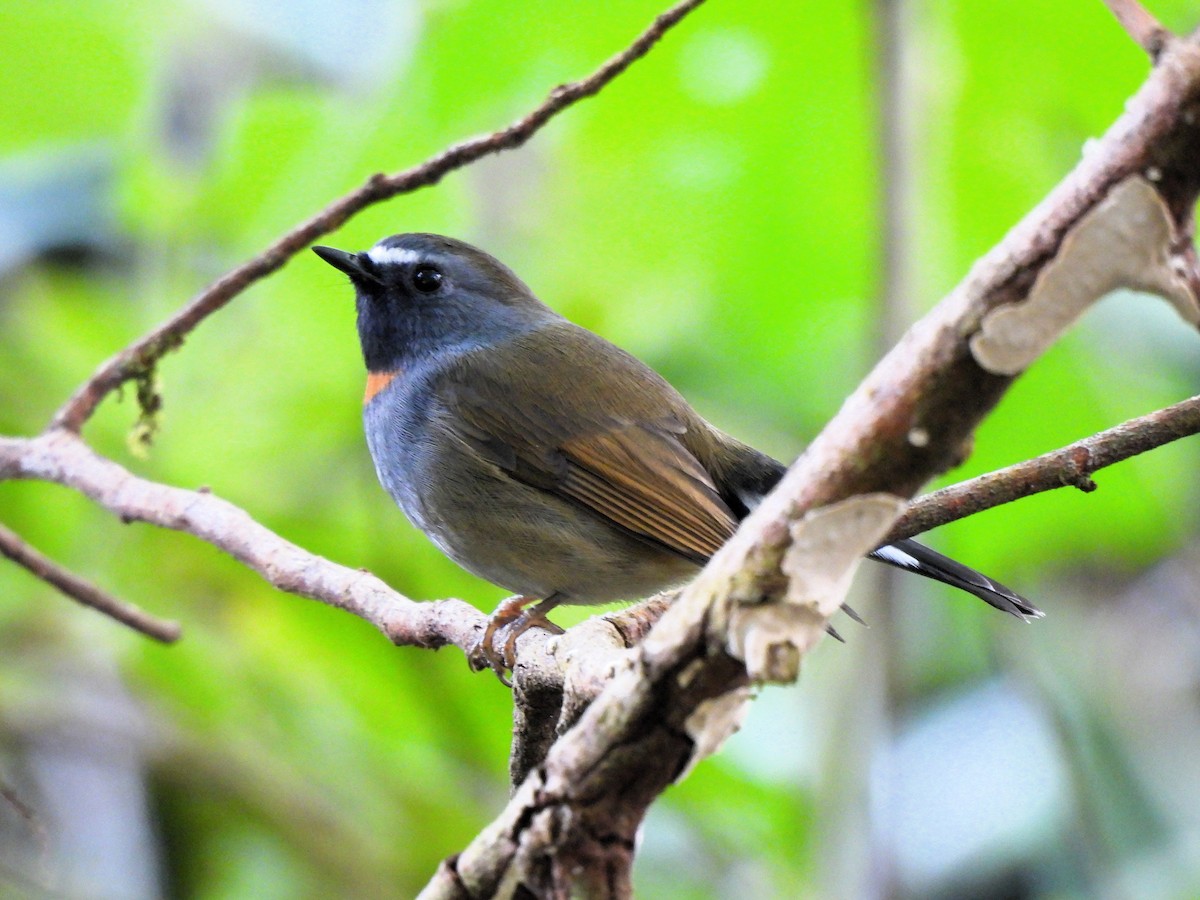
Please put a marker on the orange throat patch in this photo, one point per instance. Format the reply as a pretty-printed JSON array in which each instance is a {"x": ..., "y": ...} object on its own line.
[{"x": 376, "y": 382}]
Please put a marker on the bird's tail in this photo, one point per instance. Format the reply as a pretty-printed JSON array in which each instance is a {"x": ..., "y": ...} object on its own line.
[
  {"x": 914, "y": 557},
  {"x": 746, "y": 476}
]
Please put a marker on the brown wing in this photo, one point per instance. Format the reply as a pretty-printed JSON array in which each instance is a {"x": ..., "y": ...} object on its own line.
[
  {"x": 645, "y": 480},
  {"x": 573, "y": 428}
]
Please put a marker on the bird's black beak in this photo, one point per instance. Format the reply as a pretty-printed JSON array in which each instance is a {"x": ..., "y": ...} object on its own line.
[{"x": 350, "y": 263}]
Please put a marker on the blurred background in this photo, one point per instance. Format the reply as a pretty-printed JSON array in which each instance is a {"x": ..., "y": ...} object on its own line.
[{"x": 754, "y": 209}]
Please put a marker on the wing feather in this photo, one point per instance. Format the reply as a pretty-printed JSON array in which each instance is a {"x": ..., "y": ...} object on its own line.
[
  {"x": 629, "y": 465},
  {"x": 644, "y": 479}
]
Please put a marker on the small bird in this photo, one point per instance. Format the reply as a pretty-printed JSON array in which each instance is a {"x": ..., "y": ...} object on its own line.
[{"x": 543, "y": 458}]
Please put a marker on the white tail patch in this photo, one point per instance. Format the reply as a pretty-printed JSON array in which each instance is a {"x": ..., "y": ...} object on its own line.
[
  {"x": 897, "y": 557},
  {"x": 750, "y": 499}
]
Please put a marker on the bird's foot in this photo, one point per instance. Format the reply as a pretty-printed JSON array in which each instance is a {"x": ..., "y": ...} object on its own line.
[{"x": 510, "y": 620}]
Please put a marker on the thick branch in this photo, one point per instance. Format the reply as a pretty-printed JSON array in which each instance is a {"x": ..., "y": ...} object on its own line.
[
  {"x": 909, "y": 420},
  {"x": 1068, "y": 466},
  {"x": 84, "y": 591},
  {"x": 139, "y": 358},
  {"x": 1071, "y": 465}
]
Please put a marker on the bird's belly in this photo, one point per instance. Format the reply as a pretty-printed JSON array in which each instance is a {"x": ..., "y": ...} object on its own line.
[
  {"x": 538, "y": 548},
  {"x": 520, "y": 537}
]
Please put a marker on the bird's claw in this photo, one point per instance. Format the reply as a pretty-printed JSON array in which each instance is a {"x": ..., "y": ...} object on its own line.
[
  {"x": 510, "y": 620},
  {"x": 853, "y": 615}
]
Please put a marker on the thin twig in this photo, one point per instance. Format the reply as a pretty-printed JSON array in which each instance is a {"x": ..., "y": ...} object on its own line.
[
  {"x": 139, "y": 358},
  {"x": 37, "y": 828},
  {"x": 1071, "y": 465},
  {"x": 84, "y": 591},
  {"x": 22, "y": 809},
  {"x": 1145, "y": 30}
]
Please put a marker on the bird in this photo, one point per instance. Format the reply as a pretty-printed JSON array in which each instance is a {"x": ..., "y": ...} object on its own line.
[{"x": 543, "y": 458}]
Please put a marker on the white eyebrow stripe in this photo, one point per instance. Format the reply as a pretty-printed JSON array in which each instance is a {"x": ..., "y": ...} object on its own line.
[{"x": 394, "y": 255}]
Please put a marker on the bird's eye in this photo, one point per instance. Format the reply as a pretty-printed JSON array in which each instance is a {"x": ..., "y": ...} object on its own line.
[{"x": 426, "y": 279}]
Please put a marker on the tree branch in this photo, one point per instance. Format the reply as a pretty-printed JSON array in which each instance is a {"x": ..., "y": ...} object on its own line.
[
  {"x": 1145, "y": 30},
  {"x": 1070, "y": 465},
  {"x": 137, "y": 361},
  {"x": 751, "y": 614},
  {"x": 37, "y": 881},
  {"x": 63, "y": 458},
  {"x": 84, "y": 591},
  {"x": 680, "y": 692}
]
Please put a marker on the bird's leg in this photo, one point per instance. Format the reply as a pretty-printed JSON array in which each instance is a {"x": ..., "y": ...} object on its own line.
[{"x": 512, "y": 617}]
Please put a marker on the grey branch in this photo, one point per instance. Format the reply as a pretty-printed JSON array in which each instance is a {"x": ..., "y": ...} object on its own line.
[{"x": 85, "y": 592}]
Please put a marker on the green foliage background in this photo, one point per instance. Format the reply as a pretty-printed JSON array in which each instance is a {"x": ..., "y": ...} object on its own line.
[{"x": 716, "y": 212}]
